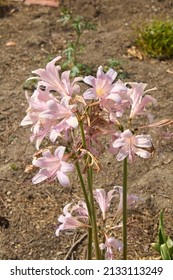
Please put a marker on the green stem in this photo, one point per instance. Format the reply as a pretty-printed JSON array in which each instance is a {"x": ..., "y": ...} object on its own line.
[
  {"x": 89, "y": 251},
  {"x": 93, "y": 217},
  {"x": 83, "y": 187},
  {"x": 125, "y": 209},
  {"x": 91, "y": 206}
]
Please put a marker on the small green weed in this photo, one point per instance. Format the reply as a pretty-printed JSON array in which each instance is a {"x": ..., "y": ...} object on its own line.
[
  {"x": 156, "y": 39},
  {"x": 14, "y": 167},
  {"x": 79, "y": 24}
]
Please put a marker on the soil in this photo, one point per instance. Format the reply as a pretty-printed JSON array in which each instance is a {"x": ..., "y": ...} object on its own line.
[{"x": 29, "y": 213}]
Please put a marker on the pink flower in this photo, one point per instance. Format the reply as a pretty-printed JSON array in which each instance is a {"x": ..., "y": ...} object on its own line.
[
  {"x": 128, "y": 145},
  {"x": 111, "y": 96},
  {"x": 38, "y": 103},
  {"x": 110, "y": 244},
  {"x": 76, "y": 218},
  {"x": 131, "y": 199},
  {"x": 62, "y": 111},
  {"x": 50, "y": 78},
  {"x": 52, "y": 167},
  {"x": 101, "y": 86},
  {"x": 48, "y": 116},
  {"x": 103, "y": 200},
  {"x": 139, "y": 100}
]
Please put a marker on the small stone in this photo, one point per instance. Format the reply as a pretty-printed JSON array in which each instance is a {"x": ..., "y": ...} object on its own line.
[{"x": 9, "y": 193}]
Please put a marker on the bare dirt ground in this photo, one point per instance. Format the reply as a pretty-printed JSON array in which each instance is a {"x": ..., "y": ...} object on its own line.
[{"x": 28, "y": 213}]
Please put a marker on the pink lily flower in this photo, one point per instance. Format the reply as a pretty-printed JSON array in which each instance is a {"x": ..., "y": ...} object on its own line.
[
  {"x": 61, "y": 111},
  {"x": 48, "y": 116},
  {"x": 103, "y": 199},
  {"x": 110, "y": 95},
  {"x": 76, "y": 218},
  {"x": 138, "y": 99},
  {"x": 38, "y": 103},
  {"x": 110, "y": 244},
  {"x": 130, "y": 145},
  {"x": 52, "y": 167},
  {"x": 101, "y": 85},
  {"x": 131, "y": 199},
  {"x": 50, "y": 78}
]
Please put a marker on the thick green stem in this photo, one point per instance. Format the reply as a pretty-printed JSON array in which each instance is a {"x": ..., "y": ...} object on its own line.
[{"x": 125, "y": 209}]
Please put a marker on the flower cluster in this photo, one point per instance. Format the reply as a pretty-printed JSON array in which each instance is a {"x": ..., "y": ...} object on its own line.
[
  {"x": 76, "y": 119},
  {"x": 57, "y": 106},
  {"x": 77, "y": 216}
]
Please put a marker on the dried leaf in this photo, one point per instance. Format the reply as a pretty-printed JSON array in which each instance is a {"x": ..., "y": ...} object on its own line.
[{"x": 133, "y": 52}]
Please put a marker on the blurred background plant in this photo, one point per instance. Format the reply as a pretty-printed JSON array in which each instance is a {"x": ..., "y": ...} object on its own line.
[
  {"x": 156, "y": 39},
  {"x": 164, "y": 246},
  {"x": 74, "y": 48}
]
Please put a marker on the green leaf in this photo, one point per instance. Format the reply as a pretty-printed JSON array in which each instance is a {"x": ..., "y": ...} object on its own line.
[
  {"x": 164, "y": 251},
  {"x": 156, "y": 247},
  {"x": 169, "y": 243},
  {"x": 162, "y": 235}
]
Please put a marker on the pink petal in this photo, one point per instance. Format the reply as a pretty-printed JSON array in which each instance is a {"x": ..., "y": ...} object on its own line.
[
  {"x": 72, "y": 121},
  {"x": 41, "y": 176},
  {"x": 89, "y": 94},
  {"x": 142, "y": 153},
  {"x": 111, "y": 74},
  {"x": 59, "y": 152},
  {"x": 90, "y": 80},
  {"x": 66, "y": 167},
  {"x": 122, "y": 155},
  {"x": 63, "y": 179}
]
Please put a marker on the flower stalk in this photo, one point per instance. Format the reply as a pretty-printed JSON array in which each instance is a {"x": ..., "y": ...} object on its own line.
[{"x": 125, "y": 209}]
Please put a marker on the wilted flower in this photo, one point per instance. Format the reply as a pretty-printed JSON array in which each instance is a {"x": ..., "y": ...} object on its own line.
[
  {"x": 128, "y": 145},
  {"x": 52, "y": 167}
]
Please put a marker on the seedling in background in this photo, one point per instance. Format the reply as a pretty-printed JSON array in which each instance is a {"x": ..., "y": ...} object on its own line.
[
  {"x": 156, "y": 39},
  {"x": 14, "y": 167},
  {"x": 74, "y": 48},
  {"x": 165, "y": 245}
]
